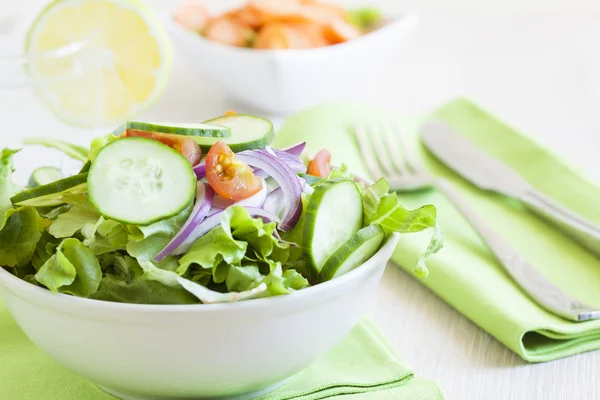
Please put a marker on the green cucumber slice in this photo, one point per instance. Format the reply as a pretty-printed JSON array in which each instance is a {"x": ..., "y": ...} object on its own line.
[
  {"x": 44, "y": 175},
  {"x": 140, "y": 181},
  {"x": 247, "y": 132},
  {"x": 362, "y": 246},
  {"x": 51, "y": 194},
  {"x": 333, "y": 215},
  {"x": 197, "y": 130}
]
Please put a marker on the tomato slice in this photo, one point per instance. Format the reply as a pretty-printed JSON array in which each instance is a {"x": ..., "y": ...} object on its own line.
[
  {"x": 320, "y": 165},
  {"x": 228, "y": 177},
  {"x": 183, "y": 144}
]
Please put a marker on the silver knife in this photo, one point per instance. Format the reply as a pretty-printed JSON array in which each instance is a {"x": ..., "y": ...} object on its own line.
[
  {"x": 489, "y": 174},
  {"x": 493, "y": 175}
]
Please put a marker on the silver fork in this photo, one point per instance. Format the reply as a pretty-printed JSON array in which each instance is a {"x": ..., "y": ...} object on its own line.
[{"x": 385, "y": 154}]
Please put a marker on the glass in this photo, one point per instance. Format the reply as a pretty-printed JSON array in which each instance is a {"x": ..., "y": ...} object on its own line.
[{"x": 25, "y": 97}]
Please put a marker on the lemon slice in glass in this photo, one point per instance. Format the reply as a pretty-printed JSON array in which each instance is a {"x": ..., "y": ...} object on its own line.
[{"x": 98, "y": 62}]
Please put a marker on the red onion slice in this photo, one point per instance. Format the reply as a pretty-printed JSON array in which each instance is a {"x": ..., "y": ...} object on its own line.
[
  {"x": 204, "y": 199},
  {"x": 274, "y": 202},
  {"x": 200, "y": 170},
  {"x": 285, "y": 177},
  {"x": 213, "y": 221},
  {"x": 294, "y": 150}
]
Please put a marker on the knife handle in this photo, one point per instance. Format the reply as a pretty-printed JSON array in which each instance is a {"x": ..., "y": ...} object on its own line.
[
  {"x": 533, "y": 283},
  {"x": 581, "y": 230}
]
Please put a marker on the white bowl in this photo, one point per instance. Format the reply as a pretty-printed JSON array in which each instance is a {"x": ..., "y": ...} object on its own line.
[
  {"x": 194, "y": 351},
  {"x": 282, "y": 81}
]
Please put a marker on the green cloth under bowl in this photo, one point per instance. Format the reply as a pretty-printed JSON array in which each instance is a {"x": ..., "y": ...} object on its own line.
[
  {"x": 362, "y": 366},
  {"x": 464, "y": 273}
]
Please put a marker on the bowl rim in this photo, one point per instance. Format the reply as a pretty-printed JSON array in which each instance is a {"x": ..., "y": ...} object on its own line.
[
  {"x": 408, "y": 20},
  {"x": 35, "y": 294}
]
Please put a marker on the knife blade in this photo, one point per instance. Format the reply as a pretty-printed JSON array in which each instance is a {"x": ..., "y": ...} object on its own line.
[
  {"x": 470, "y": 162},
  {"x": 490, "y": 174}
]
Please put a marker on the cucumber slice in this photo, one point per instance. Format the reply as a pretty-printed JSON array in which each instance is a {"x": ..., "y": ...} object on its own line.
[
  {"x": 247, "y": 132},
  {"x": 44, "y": 175},
  {"x": 50, "y": 195},
  {"x": 199, "y": 130},
  {"x": 362, "y": 246},
  {"x": 140, "y": 181},
  {"x": 333, "y": 215}
]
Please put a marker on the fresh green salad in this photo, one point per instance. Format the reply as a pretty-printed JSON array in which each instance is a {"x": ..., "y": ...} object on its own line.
[{"x": 164, "y": 213}]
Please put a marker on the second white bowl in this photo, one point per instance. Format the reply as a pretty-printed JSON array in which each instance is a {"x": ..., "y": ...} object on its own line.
[{"x": 281, "y": 81}]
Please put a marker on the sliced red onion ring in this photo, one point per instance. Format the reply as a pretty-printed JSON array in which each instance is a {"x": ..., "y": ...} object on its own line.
[
  {"x": 200, "y": 170},
  {"x": 213, "y": 211},
  {"x": 261, "y": 173},
  {"x": 285, "y": 177},
  {"x": 274, "y": 202},
  {"x": 293, "y": 161},
  {"x": 294, "y": 150},
  {"x": 256, "y": 200},
  {"x": 213, "y": 221},
  {"x": 204, "y": 199}
]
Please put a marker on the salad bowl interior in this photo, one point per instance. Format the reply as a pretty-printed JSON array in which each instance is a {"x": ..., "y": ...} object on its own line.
[{"x": 228, "y": 350}]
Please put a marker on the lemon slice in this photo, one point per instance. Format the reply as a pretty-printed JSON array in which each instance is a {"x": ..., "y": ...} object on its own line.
[{"x": 98, "y": 62}]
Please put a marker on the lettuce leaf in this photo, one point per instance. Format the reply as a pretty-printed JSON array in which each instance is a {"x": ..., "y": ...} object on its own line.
[
  {"x": 227, "y": 245},
  {"x": 282, "y": 282},
  {"x": 7, "y": 188},
  {"x": 56, "y": 272},
  {"x": 204, "y": 294},
  {"x": 384, "y": 208},
  {"x": 210, "y": 250},
  {"x": 20, "y": 234},
  {"x": 342, "y": 173},
  {"x": 259, "y": 235},
  {"x": 123, "y": 282},
  {"x": 278, "y": 282},
  {"x": 79, "y": 216},
  {"x": 106, "y": 236},
  {"x": 145, "y": 242},
  {"x": 76, "y": 219},
  {"x": 73, "y": 269},
  {"x": 244, "y": 278},
  {"x": 98, "y": 143},
  {"x": 45, "y": 248},
  {"x": 435, "y": 245}
]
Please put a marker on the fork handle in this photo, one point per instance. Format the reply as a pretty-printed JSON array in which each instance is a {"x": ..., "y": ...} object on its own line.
[{"x": 535, "y": 285}]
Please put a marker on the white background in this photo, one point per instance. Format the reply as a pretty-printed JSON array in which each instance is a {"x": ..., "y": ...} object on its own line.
[{"x": 537, "y": 69}]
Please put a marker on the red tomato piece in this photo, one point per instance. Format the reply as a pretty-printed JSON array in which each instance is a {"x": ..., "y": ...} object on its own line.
[
  {"x": 183, "y": 144},
  {"x": 320, "y": 165},
  {"x": 228, "y": 177}
]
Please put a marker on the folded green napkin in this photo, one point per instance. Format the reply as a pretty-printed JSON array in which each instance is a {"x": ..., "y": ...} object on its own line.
[
  {"x": 464, "y": 273},
  {"x": 362, "y": 366}
]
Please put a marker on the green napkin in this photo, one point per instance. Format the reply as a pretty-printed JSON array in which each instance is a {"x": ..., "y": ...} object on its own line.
[
  {"x": 364, "y": 365},
  {"x": 464, "y": 273}
]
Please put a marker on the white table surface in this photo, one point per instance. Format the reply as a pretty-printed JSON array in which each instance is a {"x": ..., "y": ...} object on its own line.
[{"x": 540, "y": 73}]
